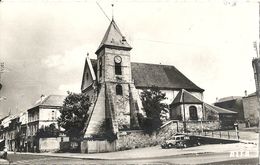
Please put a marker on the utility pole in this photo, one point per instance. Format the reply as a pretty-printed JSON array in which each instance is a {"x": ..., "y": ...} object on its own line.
[
  {"x": 256, "y": 68},
  {"x": 184, "y": 113},
  {"x": 2, "y": 65}
]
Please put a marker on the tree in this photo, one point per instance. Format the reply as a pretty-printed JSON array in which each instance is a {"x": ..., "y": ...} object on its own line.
[
  {"x": 152, "y": 103},
  {"x": 74, "y": 114},
  {"x": 48, "y": 131}
]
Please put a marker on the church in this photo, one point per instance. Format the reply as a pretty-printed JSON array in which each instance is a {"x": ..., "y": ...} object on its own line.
[{"x": 114, "y": 84}]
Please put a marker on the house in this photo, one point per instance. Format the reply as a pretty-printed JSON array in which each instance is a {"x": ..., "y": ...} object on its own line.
[
  {"x": 251, "y": 109},
  {"x": 45, "y": 112},
  {"x": 9, "y": 128},
  {"x": 13, "y": 131},
  {"x": 225, "y": 117},
  {"x": 24, "y": 131},
  {"x": 232, "y": 103}
]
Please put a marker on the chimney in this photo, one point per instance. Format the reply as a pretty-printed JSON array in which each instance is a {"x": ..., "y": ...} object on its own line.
[
  {"x": 42, "y": 97},
  {"x": 216, "y": 99},
  {"x": 245, "y": 93}
]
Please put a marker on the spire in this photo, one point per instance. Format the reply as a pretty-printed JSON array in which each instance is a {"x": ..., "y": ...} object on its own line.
[{"x": 113, "y": 38}]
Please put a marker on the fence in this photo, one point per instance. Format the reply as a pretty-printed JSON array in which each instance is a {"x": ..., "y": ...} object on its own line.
[{"x": 218, "y": 134}]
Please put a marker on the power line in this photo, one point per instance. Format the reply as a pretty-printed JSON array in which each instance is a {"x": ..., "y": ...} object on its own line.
[{"x": 103, "y": 11}]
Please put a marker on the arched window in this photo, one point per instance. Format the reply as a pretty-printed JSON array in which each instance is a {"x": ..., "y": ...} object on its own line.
[
  {"x": 118, "y": 70},
  {"x": 193, "y": 113},
  {"x": 118, "y": 61},
  {"x": 119, "y": 90}
]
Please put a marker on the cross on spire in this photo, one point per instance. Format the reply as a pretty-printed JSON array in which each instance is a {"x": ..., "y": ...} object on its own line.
[{"x": 112, "y": 11}]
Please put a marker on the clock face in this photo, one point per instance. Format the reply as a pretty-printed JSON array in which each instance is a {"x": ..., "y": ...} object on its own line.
[{"x": 118, "y": 59}]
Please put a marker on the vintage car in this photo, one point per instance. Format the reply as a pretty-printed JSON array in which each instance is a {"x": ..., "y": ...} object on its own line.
[
  {"x": 3, "y": 149},
  {"x": 181, "y": 141}
]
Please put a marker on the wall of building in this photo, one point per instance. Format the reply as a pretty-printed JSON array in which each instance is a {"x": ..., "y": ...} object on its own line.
[
  {"x": 33, "y": 115},
  {"x": 171, "y": 94},
  {"x": 121, "y": 105},
  {"x": 49, "y": 114},
  {"x": 235, "y": 105},
  {"x": 251, "y": 109},
  {"x": 87, "y": 77},
  {"x": 187, "y": 113},
  {"x": 109, "y": 65},
  {"x": 49, "y": 144}
]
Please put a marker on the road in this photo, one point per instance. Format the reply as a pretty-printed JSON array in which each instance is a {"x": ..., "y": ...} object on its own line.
[{"x": 221, "y": 158}]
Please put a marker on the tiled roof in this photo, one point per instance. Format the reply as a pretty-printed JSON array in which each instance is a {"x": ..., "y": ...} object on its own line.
[
  {"x": 229, "y": 98},
  {"x": 218, "y": 109},
  {"x": 186, "y": 97},
  {"x": 162, "y": 76},
  {"x": 52, "y": 100},
  {"x": 113, "y": 37}
]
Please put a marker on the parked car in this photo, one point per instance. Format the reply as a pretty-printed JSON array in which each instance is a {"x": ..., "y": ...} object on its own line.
[
  {"x": 3, "y": 150},
  {"x": 181, "y": 141},
  {"x": 3, "y": 153}
]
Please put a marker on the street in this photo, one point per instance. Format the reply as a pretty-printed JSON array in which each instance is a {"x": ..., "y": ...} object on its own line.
[
  {"x": 236, "y": 153},
  {"x": 221, "y": 158}
]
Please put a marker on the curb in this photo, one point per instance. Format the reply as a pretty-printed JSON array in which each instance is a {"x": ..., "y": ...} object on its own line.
[
  {"x": 248, "y": 142},
  {"x": 131, "y": 158}
]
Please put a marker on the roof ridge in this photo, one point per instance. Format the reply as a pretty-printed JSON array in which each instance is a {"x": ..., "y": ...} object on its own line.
[{"x": 153, "y": 64}]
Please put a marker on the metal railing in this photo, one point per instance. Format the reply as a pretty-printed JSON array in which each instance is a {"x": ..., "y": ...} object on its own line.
[{"x": 228, "y": 134}]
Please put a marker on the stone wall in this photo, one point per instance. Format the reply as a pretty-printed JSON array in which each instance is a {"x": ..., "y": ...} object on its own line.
[
  {"x": 251, "y": 107},
  {"x": 205, "y": 125},
  {"x": 135, "y": 139},
  {"x": 140, "y": 139},
  {"x": 50, "y": 144}
]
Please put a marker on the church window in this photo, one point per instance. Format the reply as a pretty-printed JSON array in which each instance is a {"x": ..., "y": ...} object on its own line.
[
  {"x": 193, "y": 113},
  {"x": 87, "y": 75},
  {"x": 118, "y": 68},
  {"x": 100, "y": 67},
  {"x": 119, "y": 90}
]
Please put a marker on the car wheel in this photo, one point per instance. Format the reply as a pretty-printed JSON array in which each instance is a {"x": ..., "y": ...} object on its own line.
[
  {"x": 170, "y": 145},
  {"x": 5, "y": 156}
]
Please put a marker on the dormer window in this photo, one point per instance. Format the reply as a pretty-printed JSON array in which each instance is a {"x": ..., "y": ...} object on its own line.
[{"x": 118, "y": 67}]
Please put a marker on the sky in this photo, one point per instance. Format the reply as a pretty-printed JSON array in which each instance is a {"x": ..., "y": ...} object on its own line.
[{"x": 44, "y": 43}]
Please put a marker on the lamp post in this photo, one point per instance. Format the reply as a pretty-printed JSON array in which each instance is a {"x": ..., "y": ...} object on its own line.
[{"x": 184, "y": 115}]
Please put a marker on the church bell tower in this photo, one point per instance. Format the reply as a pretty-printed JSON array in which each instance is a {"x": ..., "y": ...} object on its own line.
[{"x": 114, "y": 74}]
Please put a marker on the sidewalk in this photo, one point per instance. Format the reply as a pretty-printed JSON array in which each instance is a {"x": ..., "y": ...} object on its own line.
[{"x": 156, "y": 151}]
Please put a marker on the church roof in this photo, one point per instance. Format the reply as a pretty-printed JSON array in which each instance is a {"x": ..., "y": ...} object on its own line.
[
  {"x": 186, "y": 97},
  {"x": 162, "y": 76},
  {"x": 113, "y": 38}
]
